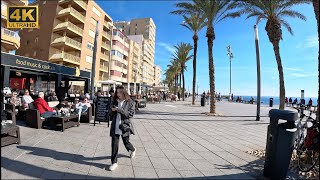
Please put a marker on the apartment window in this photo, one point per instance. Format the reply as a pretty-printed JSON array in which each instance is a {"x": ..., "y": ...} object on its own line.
[
  {"x": 36, "y": 40},
  {"x": 28, "y": 42},
  {"x": 96, "y": 11},
  {"x": 92, "y": 33},
  {"x": 90, "y": 46},
  {"x": 44, "y": 2},
  {"x": 89, "y": 59},
  {"x": 34, "y": 53}
]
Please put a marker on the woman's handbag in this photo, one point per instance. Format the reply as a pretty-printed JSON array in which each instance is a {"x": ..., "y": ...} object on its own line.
[{"x": 124, "y": 127}]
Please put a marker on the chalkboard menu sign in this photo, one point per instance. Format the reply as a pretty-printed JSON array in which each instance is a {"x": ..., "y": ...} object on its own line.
[{"x": 102, "y": 109}]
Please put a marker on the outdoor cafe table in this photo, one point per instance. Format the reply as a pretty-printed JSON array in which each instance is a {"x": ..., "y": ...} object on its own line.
[
  {"x": 10, "y": 134},
  {"x": 66, "y": 121}
]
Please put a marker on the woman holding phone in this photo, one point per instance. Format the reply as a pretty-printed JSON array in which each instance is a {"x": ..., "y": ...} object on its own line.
[{"x": 121, "y": 111}]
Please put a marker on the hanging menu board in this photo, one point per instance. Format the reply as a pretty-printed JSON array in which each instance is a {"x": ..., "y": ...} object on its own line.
[{"x": 102, "y": 108}]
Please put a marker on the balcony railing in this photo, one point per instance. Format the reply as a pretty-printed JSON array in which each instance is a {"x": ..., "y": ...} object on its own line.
[
  {"x": 10, "y": 36},
  {"x": 105, "y": 45},
  {"x": 79, "y": 2},
  {"x": 72, "y": 11},
  {"x": 104, "y": 67},
  {"x": 66, "y": 56},
  {"x": 60, "y": 39},
  {"x": 105, "y": 56},
  {"x": 69, "y": 25}
]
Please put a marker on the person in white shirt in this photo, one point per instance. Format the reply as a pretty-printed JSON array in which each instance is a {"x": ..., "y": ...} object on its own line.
[
  {"x": 82, "y": 106},
  {"x": 26, "y": 99}
]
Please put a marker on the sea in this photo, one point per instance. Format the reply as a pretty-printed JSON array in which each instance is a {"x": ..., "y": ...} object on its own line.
[{"x": 265, "y": 99}]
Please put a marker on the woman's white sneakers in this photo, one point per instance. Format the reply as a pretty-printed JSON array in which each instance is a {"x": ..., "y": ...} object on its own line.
[
  {"x": 133, "y": 153},
  {"x": 113, "y": 166}
]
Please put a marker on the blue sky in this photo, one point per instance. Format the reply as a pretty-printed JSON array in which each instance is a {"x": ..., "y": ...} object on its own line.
[{"x": 299, "y": 52}]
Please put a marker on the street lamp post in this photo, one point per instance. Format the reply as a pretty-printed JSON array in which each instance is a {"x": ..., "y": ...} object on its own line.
[
  {"x": 230, "y": 54},
  {"x": 256, "y": 37},
  {"x": 93, "y": 72}
]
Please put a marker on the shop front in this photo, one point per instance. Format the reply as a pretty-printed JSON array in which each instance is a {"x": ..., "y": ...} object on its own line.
[{"x": 20, "y": 73}]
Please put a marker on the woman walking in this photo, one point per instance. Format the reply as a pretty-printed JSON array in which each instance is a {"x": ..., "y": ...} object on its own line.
[{"x": 121, "y": 112}]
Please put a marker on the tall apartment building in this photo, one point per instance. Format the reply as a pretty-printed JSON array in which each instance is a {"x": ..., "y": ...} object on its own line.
[
  {"x": 147, "y": 28},
  {"x": 135, "y": 56},
  {"x": 157, "y": 75},
  {"x": 119, "y": 57},
  {"x": 10, "y": 39},
  {"x": 66, "y": 35}
]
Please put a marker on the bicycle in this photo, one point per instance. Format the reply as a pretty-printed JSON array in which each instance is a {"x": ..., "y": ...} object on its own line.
[{"x": 307, "y": 143}]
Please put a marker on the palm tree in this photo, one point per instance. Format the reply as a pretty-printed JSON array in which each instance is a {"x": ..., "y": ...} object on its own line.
[
  {"x": 174, "y": 70},
  {"x": 274, "y": 11},
  {"x": 194, "y": 23},
  {"x": 214, "y": 11},
  {"x": 316, "y": 12},
  {"x": 182, "y": 56}
]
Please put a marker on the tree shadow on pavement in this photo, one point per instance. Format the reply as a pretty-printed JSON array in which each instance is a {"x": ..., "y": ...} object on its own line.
[{"x": 251, "y": 170}]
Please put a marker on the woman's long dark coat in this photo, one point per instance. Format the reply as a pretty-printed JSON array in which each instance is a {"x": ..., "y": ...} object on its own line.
[{"x": 127, "y": 111}]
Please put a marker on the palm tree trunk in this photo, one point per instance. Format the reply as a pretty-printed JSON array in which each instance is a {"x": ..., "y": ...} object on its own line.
[
  {"x": 195, "y": 45},
  {"x": 180, "y": 76},
  {"x": 211, "y": 36},
  {"x": 280, "y": 69},
  {"x": 183, "y": 87},
  {"x": 316, "y": 12},
  {"x": 175, "y": 83}
]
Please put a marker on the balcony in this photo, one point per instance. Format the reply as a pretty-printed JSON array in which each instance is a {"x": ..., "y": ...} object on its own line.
[
  {"x": 107, "y": 25},
  {"x": 65, "y": 57},
  {"x": 104, "y": 68},
  {"x": 106, "y": 46},
  {"x": 72, "y": 29},
  {"x": 79, "y": 4},
  {"x": 106, "y": 35},
  {"x": 72, "y": 15},
  {"x": 68, "y": 43},
  {"x": 105, "y": 57},
  {"x": 10, "y": 39}
]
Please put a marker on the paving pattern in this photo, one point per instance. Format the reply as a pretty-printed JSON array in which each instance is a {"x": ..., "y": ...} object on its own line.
[{"x": 173, "y": 140}]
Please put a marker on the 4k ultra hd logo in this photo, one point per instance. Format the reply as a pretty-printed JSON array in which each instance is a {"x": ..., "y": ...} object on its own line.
[{"x": 22, "y": 17}]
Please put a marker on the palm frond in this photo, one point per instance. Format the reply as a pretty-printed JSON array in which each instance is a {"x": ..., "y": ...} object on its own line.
[
  {"x": 293, "y": 14},
  {"x": 287, "y": 26}
]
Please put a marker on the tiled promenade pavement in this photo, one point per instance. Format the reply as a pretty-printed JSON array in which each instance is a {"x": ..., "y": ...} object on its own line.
[{"x": 173, "y": 140}]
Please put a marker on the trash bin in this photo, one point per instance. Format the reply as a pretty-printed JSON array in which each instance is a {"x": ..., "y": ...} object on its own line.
[
  {"x": 280, "y": 141},
  {"x": 271, "y": 102},
  {"x": 203, "y": 100}
]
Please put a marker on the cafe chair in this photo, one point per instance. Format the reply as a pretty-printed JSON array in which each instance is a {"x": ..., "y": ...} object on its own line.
[{"x": 33, "y": 118}]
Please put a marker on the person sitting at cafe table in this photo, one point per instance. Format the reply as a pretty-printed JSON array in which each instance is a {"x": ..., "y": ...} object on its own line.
[
  {"x": 43, "y": 107},
  {"x": 26, "y": 99},
  {"x": 82, "y": 106},
  {"x": 53, "y": 97},
  {"x": 15, "y": 100}
]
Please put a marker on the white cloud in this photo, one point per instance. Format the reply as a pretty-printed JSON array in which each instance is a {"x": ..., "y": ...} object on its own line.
[
  {"x": 293, "y": 69},
  {"x": 302, "y": 75},
  {"x": 309, "y": 42},
  {"x": 167, "y": 46}
]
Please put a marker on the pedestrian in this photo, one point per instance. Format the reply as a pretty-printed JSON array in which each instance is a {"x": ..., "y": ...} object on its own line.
[
  {"x": 123, "y": 109},
  {"x": 63, "y": 90},
  {"x": 164, "y": 96},
  {"x": 286, "y": 101},
  {"x": 178, "y": 95},
  {"x": 290, "y": 101}
]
